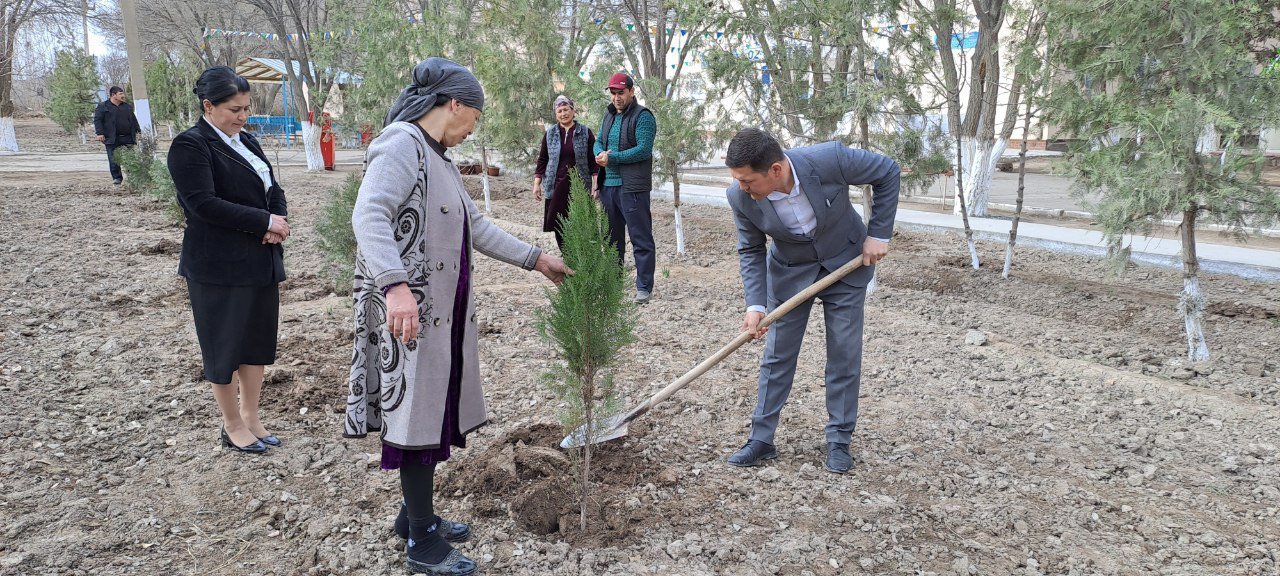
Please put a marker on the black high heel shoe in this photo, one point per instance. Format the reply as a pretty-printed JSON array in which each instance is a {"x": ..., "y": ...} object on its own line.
[
  {"x": 257, "y": 447},
  {"x": 270, "y": 440}
]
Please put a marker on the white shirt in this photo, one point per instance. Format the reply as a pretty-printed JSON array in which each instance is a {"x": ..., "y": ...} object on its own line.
[
  {"x": 795, "y": 212},
  {"x": 793, "y": 208},
  {"x": 258, "y": 164}
]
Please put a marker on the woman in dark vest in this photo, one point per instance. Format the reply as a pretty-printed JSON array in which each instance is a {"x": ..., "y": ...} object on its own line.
[
  {"x": 231, "y": 252},
  {"x": 566, "y": 145}
]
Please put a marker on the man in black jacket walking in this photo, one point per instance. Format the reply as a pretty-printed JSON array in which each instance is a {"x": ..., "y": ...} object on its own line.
[{"x": 116, "y": 126}]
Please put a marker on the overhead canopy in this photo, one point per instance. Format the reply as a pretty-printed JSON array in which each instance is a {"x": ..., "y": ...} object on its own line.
[{"x": 272, "y": 70}]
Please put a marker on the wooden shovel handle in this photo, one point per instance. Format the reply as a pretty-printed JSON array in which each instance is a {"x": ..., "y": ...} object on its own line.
[{"x": 744, "y": 337}]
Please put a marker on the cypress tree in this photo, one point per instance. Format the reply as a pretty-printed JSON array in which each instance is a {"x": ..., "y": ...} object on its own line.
[{"x": 588, "y": 322}]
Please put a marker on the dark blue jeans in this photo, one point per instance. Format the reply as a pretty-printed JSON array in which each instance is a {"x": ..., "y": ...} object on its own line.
[
  {"x": 111, "y": 160},
  {"x": 629, "y": 212}
]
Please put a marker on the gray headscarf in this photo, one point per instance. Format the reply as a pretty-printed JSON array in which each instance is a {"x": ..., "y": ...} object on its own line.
[{"x": 431, "y": 78}]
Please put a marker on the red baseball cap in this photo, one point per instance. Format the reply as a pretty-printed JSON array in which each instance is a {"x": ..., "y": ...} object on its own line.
[{"x": 620, "y": 81}]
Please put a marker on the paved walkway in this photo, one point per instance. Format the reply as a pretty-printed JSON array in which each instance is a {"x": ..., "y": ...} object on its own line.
[
  {"x": 97, "y": 161},
  {"x": 1252, "y": 263},
  {"x": 1045, "y": 194}
]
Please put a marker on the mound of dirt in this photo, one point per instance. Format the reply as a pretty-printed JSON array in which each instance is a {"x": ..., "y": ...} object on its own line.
[{"x": 525, "y": 475}]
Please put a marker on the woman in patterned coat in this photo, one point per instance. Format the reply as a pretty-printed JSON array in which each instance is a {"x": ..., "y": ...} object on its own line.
[{"x": 415, "y": 374}]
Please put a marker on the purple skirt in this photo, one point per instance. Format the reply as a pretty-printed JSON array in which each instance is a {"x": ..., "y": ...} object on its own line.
[{"x": 393, "y": 457}]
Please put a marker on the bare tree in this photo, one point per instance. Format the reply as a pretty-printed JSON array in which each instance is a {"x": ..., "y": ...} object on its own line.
[
  {"x": 208, "y": 34},
  {"x": 951, "y": 26},
  {"x": 14, "y": 16},
  {"x": 114, "y": 68},
  {"x": 292, "y": 22}
]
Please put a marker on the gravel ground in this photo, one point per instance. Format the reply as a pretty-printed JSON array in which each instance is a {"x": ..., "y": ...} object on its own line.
[{"x": 1045, "y": 424}]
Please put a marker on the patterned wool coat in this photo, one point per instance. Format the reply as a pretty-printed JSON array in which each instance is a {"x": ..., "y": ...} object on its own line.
[{"x": 409, "y": 223}]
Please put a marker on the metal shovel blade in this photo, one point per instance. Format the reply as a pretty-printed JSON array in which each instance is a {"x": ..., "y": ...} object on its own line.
[{"x": 612, "y": 427}]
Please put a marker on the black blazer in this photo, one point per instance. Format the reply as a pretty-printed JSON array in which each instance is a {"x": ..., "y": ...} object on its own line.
[{"x": 227, "y": 211}]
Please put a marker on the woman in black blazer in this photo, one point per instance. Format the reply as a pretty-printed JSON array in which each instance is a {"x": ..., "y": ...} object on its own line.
[{"x": 231, "y": 252}]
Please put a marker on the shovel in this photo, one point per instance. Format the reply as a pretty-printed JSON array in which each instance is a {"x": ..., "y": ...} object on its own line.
[{"x": 615, "y": 426}]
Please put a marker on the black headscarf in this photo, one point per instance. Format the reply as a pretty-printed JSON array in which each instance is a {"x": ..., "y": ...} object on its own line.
[{"x": 433, "y": 78}]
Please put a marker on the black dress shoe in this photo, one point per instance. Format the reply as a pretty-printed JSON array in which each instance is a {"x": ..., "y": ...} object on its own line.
[
  {"x": 270, "y": 440},
  {"x": 753, "y": 453},
  {"x": 257, "y": 447},
  {"x": 452, "y": 532},
  {"x": 455, "y": 564},
  {"x": 838, "y": 458}
]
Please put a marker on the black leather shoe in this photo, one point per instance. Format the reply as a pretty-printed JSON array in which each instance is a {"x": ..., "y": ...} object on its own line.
[
  {"x": 270, "y": 440},
  {"x": 257, "y": 447},
  {"x": 455, "y": 564},
  {"x": 838, "y": 458},
  {"x": 753, "y": 453},
  {"x": 452, "y": 532}
]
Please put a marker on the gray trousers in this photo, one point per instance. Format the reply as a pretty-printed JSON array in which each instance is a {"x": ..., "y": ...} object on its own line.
[{"x": 842, "y": 307}]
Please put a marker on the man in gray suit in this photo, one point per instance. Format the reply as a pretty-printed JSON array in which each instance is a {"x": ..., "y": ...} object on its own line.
[{"x": 800, "y": 199}]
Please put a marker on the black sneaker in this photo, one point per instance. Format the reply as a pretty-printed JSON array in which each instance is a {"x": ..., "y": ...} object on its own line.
[
  {"x": 455, "y": 564},
  {"x": 452, "y": 532}
]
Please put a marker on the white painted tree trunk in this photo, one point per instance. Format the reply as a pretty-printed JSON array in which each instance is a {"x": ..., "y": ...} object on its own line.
[
  {"x": 484, "y": 177},
  {"x": 1191, "y": 305},
  {"x": 1208, "y": 141},
  {"x": 311, "y": 145},
  {"x": 83, "y": 140},
  {"x": 679, "y": 232},
  {"x": 980, "y": 166},
  {"x": 675, "y": 199},
  {"x": 484, "y": 180},
  {"x": 8, "y": 139},
  {"x": 964, "y": 146}
]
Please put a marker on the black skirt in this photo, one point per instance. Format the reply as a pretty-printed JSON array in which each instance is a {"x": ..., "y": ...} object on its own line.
[{"x": 235, "y": 325}]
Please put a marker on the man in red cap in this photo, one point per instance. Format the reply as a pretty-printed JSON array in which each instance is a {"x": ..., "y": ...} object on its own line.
[{"x": 624, "y": 148}]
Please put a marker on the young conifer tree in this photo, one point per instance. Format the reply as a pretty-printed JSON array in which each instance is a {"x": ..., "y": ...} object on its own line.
[
  {"x": 588, "y": 322},
  {"x": 72, "y": 91},
  {"x": 1169, "y": 100}
]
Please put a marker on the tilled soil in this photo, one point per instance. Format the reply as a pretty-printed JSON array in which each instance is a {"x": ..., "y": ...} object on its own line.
[
  {"x": 1041, "y": 424},
  {"x": 39, "y": 134}
]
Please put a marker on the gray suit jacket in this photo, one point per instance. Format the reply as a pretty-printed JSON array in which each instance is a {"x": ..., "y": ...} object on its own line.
[{"x": 792, "y": 262}]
